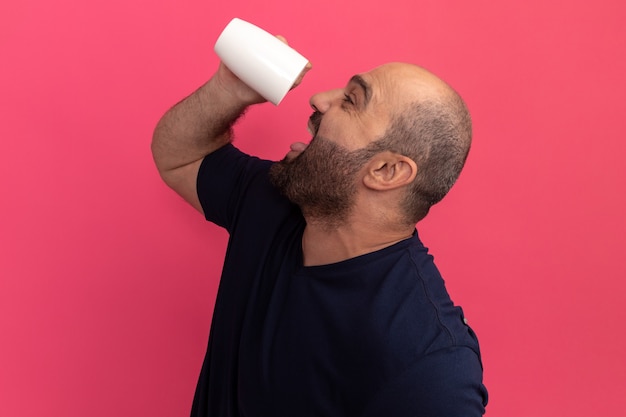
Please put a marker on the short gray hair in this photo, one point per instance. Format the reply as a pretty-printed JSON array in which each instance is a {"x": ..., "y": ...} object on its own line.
[{"x": 437, "y": 135}]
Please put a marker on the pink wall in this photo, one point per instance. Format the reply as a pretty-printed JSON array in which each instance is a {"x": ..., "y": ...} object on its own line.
[{"x": 107, "y": 280}]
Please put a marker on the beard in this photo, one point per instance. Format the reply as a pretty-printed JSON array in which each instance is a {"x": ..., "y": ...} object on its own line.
[{"x": 322, "y": 179}]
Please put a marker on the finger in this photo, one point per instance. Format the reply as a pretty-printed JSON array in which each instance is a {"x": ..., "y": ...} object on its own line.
[{"x": 306, "y": 69}]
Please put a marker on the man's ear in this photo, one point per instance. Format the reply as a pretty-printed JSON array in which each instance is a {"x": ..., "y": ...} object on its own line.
[{"x": 388, "y": 170}]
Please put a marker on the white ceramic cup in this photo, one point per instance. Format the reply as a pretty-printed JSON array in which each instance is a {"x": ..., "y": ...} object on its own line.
[{"x": 259, "y": 59}]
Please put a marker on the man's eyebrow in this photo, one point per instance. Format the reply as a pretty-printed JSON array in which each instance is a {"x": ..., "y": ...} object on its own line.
[{"x": 367, "y": 90}]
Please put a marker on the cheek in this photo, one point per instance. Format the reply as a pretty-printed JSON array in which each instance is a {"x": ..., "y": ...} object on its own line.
[
  {"x": 352, "y": 130},
  {"x": 341, "y": 135}
]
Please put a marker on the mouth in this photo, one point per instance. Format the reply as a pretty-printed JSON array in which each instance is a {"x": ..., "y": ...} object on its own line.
[{"x": 313, "y": 126}]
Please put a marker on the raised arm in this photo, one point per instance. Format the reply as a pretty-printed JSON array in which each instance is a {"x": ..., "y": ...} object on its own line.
[{"x": 197, "y": 126}]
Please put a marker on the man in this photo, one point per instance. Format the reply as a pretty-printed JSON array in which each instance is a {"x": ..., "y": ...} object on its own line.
[{"x": 329, "y": 304}]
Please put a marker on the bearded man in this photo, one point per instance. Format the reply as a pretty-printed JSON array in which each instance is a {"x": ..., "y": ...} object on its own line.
[{"x": 329, "y": 304}]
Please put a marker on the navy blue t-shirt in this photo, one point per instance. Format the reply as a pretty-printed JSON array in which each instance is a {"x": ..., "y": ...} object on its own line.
[{"x": 375, "y": 335}]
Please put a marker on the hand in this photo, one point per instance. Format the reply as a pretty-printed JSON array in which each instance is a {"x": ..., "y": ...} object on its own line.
[{"x": 304, "y": 71}]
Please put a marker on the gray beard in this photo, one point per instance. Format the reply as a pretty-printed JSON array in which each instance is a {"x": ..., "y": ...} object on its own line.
[{"x": 321, "y": 180}]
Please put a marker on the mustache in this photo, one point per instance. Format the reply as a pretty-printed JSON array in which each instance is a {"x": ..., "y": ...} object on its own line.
[{"x": 316, "y": 120}]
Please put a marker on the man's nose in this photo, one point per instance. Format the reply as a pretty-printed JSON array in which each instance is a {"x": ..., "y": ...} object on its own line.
[{"x": 321, "y": 102}]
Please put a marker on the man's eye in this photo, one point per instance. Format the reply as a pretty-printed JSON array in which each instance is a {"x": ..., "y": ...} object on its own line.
[{"x": 347, "y": 99}]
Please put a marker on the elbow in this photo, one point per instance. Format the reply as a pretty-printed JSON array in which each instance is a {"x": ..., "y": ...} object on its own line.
[{"x": 159, "y": 153}]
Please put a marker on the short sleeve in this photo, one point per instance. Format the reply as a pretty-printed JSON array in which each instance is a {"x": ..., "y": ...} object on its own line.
[
  {"x": 446, "y": 383},
  {"x": 224, "y": 179}
]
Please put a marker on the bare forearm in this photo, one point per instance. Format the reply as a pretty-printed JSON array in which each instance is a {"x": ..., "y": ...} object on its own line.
[
  {"x": 195, "y": 127},
  {"x": 199, "y": 125}
]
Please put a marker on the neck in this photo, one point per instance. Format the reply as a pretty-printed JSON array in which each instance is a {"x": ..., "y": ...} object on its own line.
[{"x": 323, "y": 243}]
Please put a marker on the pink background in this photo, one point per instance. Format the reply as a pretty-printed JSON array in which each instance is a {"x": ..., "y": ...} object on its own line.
[{"x": 107, "y": 279}]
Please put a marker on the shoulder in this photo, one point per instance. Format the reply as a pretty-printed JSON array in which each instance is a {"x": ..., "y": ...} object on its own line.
[
  {"x": 230, "y": 182},
  {"x": 228, "y": 160}
]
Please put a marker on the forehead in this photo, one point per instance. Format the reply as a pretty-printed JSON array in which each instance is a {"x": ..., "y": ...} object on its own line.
[
  {"x": 398, "y": 84},
  {"x": 382, "y": 87}
]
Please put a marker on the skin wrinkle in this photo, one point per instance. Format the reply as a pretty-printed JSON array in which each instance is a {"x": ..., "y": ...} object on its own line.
[{"x": 367, "y": 90}]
